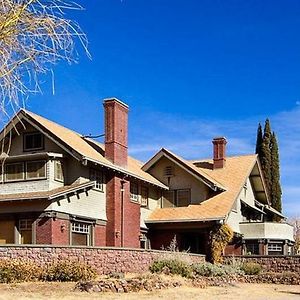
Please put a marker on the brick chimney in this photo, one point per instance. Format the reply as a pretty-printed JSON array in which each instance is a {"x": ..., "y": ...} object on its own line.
[
  {"x": 116, "y": 131},
  {"x": 219, "y": 152}
]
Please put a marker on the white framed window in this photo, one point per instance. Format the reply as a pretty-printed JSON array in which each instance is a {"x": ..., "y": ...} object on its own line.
[
  {"x": 81, "y": 234},
  {"x": 134, "y": 191},
  {"x": 35, "y": 169},
  {"x": 144, "y": 196},
  {"x": 33, "y": 141},
  {"x": 80, "y": 227},
  {"x": 58, "y": 171},
  {"x": 97, "y": 176},
  {"x": 275, "y": 247},
  {"x": 14, "y": 172},
  {"x": 25, "y": 224}
]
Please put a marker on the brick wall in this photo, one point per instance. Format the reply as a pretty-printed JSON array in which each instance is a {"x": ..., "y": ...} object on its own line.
[
  {"x": 105, "y": 260},
  {"x": 49, "y": 231},
  {"x": 100, "y": 235},
  {"x": 270, "y": 263}
]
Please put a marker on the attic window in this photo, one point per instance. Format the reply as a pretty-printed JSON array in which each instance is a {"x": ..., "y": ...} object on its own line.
[
  {"x": 169, "y": 171},
  {"x": 33, "y": 141}
]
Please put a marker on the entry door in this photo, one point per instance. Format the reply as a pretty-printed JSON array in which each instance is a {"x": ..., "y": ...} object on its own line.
[{"x": 7, "y": 232}]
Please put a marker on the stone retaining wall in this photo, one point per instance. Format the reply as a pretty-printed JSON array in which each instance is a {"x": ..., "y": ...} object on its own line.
[
  {"x": 104, "y": 259},
  {"x": 276, "y": 263}
]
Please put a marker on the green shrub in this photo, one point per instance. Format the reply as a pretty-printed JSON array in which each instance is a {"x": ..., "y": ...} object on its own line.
[
  {"x": 17, "y": 270},
  {"x": 172, "y": 266},
  {"x": 211, "y": 270},
  {"x": 69, "y": 271},
  {"x": 251, "y": 268}
]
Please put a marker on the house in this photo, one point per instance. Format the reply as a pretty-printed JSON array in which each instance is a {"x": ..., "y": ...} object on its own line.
[{"x": 59, "y": 187}]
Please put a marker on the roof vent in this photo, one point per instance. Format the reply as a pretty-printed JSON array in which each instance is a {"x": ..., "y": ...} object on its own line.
[{"x": 169, "y": 171}]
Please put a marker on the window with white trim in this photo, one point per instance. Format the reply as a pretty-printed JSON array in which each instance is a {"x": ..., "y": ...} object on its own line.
[
  {"x": 275, "y": 248},
  {"x": 81, "y": 234},
  {"x": 35, "y": 169},
  {"x": 134, "y": 191},
  {"x": 14, "y": 172},
  {"x": 25, "y": 224},
  {"x": 58, "y": 171},
  {"x": 97, "y": 176}
]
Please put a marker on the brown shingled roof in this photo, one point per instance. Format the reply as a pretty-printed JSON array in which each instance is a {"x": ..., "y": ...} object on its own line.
[
  {"x": 83, "y": 147},
  {"x": 232, "y": 176}
]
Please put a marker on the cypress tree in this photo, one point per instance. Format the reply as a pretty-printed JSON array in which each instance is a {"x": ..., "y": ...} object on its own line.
[
  {"x": 259, "y": 140},
  {"x": 275, "y": 191},
  {"x": 265, "y": 156}
]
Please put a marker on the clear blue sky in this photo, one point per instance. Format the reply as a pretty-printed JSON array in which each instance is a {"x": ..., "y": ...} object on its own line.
[{"x": 189, "y": 70}]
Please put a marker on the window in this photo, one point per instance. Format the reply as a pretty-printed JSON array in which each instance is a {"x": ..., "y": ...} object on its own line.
[
  {"x": 81, "y": 234},
  {"x": 134, "y": 191},
  {"x": 58, "y": 171},
  {"x": 168, "y": 199},
  {"x": 33, "y": 141},
  {"x": 183, "y": 197},
  {"x": 176, "y": 198},
  {"x": 275, "y": 248},
  {"x": 25, "y": 230},
  {"x": 252, "y": 248},
  {"x": 14, "y": 172},
  {"x": 35, "y": 169},
  {"x": 144, "y": 196},
  {"x": 97, "y": 176}
]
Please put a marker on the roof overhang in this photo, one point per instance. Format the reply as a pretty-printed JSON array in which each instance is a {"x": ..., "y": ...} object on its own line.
[
  {"x": 253, "y": 207},
  {"x": 185, "y": 220},
  {"x": 165, "y": 153},
  {"x": 122, "y": 171}
]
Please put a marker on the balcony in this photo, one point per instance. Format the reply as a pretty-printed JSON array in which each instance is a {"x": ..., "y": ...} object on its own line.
[{"x": 267, "y": 230}]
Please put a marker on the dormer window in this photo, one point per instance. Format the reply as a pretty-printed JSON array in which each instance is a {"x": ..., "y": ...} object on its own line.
[{"x": 33, "y": 141}]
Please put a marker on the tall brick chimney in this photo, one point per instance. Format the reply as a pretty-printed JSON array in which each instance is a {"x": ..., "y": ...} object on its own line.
[
  {"x": 116, "y": 131},
  {"x": 219, "y": 152}
]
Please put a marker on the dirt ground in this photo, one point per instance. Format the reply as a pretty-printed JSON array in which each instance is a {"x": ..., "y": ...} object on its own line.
[{"x": 66, "y": 291}]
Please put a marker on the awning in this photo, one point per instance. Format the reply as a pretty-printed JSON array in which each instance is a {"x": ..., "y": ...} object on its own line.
[
  {"x": 253, "y": 207},
  {"x": 274, "y": 211}
]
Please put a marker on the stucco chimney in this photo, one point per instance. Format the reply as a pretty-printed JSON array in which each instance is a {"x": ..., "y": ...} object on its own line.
[
  {"x": 116, "y": 131},
  {"x": 219, "y": 152}
]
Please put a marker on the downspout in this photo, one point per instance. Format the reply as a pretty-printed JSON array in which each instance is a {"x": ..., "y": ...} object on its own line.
[{"x": 122, "y": 213}]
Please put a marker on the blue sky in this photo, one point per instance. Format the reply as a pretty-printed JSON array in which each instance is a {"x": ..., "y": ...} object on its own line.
[{"x": 189, "y": 70}]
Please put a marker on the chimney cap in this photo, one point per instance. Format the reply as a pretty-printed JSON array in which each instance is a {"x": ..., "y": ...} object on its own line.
[
  {"x": 219, "y": 139},
  {"x": 114, "y": 99}
]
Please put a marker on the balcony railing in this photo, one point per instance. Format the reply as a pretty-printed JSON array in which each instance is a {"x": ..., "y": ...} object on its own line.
[{"x": 267, "y": 230}]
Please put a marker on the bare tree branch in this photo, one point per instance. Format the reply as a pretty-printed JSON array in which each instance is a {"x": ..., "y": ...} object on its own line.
[{"x": 34, "y": 35}]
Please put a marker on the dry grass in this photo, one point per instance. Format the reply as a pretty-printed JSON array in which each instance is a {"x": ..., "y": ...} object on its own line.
[{"x": 42, "y": 290}]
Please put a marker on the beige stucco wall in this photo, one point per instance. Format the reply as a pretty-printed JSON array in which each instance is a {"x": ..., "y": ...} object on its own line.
[
  {"x": 153, "y": 203},
  {"x": 181, "y": 180},
  {"x": 235, "y": 216}
]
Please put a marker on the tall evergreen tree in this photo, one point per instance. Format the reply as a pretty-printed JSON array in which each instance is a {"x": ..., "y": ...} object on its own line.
[
  {"x": 259, "y": 140},
  {"x": 268, "y": 153},
  {"x": 275, "y": 191},
  {"x": 265, "y": 157}
]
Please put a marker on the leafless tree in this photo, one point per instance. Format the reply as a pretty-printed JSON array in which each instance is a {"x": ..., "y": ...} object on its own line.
[
  {"x": 34, "y": 35},
  {"x": 295, "y": 222}
]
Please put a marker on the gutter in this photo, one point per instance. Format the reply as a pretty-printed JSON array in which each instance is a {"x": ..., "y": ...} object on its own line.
[
  {"x": 184, "y": 220},
  {"x": 85, "y": 159}
]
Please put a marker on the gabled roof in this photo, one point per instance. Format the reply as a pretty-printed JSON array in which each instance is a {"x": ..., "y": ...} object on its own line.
[
  {"x": 200, "y": 174},
  {"x": 233, "y": 176},
  {"x": 78, "y": 146}
]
